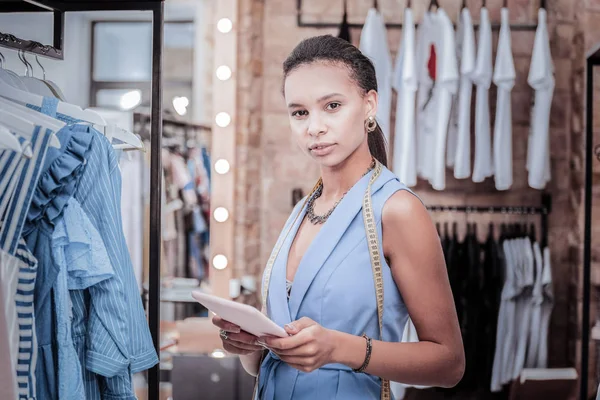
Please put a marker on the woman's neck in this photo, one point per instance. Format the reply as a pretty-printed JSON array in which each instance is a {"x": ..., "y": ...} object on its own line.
[{"x": 339, "y": 179}]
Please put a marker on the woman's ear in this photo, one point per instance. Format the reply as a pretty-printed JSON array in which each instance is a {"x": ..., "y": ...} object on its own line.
[{"x": 371, "y": 99}]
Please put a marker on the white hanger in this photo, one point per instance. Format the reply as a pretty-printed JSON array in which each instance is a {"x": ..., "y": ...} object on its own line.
[
  {"x": 24, "y": 120},
  {"x": 32, "y": 84},
  {"x": 9, "y": 141},
  {"x": 50, "y": 84},
  {"x": 131, "y": 140}
]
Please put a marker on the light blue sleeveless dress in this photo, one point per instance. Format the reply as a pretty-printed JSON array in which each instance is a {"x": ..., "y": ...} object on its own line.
[{"x": 334, "y": 286}]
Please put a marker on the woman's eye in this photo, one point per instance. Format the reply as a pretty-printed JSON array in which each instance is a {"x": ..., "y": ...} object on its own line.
[
  {"x": 299, "y": 113},
  {"x": 333, "y": 106}
]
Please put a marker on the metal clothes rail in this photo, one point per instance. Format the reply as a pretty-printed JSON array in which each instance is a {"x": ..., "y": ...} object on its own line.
[
  {"x": 438, "y": 3},
  {"x": 56, "y": 51}
]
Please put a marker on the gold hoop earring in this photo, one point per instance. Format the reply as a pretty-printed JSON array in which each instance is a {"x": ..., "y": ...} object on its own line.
[{"x": 370, "y": 124}]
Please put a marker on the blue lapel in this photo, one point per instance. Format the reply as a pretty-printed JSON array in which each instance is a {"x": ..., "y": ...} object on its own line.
[
  {"x": 278, "y": 303},
  {"x": 328, "y": 237}
]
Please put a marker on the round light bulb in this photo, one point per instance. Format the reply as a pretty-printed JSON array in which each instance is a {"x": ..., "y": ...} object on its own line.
[
  {"x": 222, "y": 166},
  {"x": 218, "y": 354},
  {"x": 221, "y": 214},
  {"x": 223, "y": 119},
  {"x": 223, "y": 72},
  {"x": 220, "y": 261},
  {"x": 224, "y": 25}
]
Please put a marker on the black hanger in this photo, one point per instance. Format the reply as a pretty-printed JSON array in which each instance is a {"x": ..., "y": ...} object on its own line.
[
  {"x": 505, "y": 4},
  {"x": 433, "y": 3},
  {"x": 483, "y": 3},
  {"x": 464, "y": 4},
  {"x": 408, "y": 4},
  {"x": 375, "y": 5}
]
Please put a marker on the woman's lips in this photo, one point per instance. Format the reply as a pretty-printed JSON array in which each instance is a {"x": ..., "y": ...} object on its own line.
[{"x": 322, "y": 150}]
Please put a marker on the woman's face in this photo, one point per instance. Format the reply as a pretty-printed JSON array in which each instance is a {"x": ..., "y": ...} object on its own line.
[{"x": 327, "y": 111}]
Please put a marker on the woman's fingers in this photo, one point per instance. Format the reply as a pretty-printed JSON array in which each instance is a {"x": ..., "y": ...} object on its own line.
[{"x": 225, "y": 325}]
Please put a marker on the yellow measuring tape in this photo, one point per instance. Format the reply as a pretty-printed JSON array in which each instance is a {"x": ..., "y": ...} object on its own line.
[{"x": 373, "y": 243}]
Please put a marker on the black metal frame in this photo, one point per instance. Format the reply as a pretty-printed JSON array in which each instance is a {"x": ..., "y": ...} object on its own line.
[
  {"x": 334, "y": 25},
  {"x": 593, "y": 60},
  {"x": 157, "y": 8}
]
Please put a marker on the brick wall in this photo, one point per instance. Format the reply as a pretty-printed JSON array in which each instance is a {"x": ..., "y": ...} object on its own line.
[{"x": 270, "y": 165}]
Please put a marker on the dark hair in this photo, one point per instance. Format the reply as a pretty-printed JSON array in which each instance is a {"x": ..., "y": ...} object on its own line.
[{"x": 362, "y": 71}]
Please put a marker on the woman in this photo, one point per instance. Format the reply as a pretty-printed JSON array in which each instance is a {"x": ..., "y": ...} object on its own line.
[{"x": 336, "y": 348}]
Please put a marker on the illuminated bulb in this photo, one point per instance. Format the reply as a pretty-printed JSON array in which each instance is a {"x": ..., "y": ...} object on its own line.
[
  {"x": 131, "y": 99},
  {"x": 218, "y": 354},
  {"x": 223, "y": 72},
  {"x": 220, "y": 261},
  {"x": 221, "y": 214},
  {"x": 222, "y": 166},
  {"x": 180, "y": 105},
  {"x": 223, "y": 119},
  {"x": 224, "y": 25}
]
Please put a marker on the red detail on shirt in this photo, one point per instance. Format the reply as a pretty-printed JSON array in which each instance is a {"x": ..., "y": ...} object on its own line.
[{"x": 431, "y": 64}]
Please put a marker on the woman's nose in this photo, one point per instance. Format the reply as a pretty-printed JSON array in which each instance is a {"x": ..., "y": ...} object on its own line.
[{"x": 316, "y": 126}]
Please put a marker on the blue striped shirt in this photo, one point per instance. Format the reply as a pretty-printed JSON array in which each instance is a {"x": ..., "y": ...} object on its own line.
[{"x": 128, "y": 347}]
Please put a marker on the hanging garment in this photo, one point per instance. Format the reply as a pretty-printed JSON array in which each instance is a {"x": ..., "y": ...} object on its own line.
[
  {"x": 459, "y": 140},
  {"x": 426, "y": 68},
  {"x": 109, "y": 325},
  {"x": 483, "y": 167},
  {"x": 506, "y": 315},
  {"x": 541, "y": 79},
  {"x": 547, "y": 305},
  {"x": 504, "y": 78},
  {"x": 99, "y": 194},
  {"x": 79, "y": 253},
  {"x": 405, "y": 83},
  {"x": 492, "y": 288},
  {"x": 524, "y": 305},
  {"x": 132, "y": 209},
  {"x": 446, "y": 86},
  {"x": 333, "y": 296},
  {"x": 374, "y": 45},
  {"x": 13, "y": 229},
  {"x": 536, "y": 312},
  {"x": 9, "y": 279}
]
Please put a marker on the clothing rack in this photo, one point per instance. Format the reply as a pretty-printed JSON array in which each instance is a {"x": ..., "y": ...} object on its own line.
[
  {"x": 334, "y": 25},
  {"x": 543, "y": 211},
  {"x": 56, "y": 51}
]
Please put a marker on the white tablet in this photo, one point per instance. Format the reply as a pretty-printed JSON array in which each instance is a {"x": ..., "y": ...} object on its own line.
[{"x": 246, "y": 317}]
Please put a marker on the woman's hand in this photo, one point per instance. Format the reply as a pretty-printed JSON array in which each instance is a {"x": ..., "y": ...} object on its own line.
[
  {"x": 310, "y": 347},
  {"x": 236, "y": 341}
]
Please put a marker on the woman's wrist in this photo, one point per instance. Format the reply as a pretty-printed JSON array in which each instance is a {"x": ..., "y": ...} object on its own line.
[{"x": 349, "y": 350}]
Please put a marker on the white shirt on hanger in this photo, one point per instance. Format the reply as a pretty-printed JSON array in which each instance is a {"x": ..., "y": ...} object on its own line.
[
  {"x": 524, "y": 304},
  {"x": 446, "y": 86},
  {"x": 459, "y": 154},
  {"x": 504, "y": 78},
  {"x": 536, "y": 313},
  {"x": 374, "y": 44},
  {"x": 482, "y": 77},
  {"x": 541, "y": 79},
  {"x": 542, "y": 359},
  {"x": 425, "y": 50},
  {"x": 405, "y": 83},
  {"x": 506, "y": 315}
]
